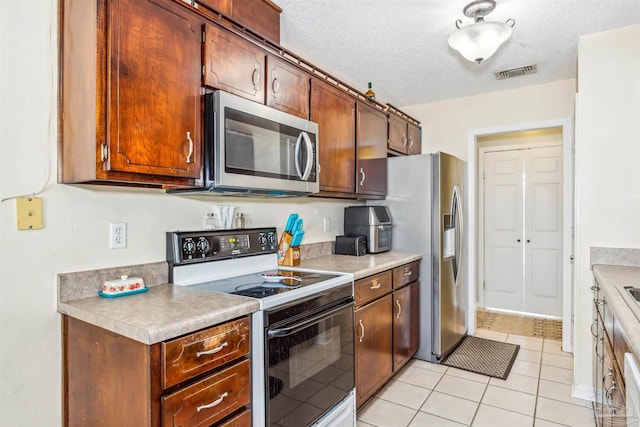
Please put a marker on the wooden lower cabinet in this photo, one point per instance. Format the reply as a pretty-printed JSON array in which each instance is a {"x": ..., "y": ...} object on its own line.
[
  {"x": 373, "y": 347},
  {"x": 200, "y": 379},
  {"x": 387, "y": 328},
  {"x": 406, "y": 321}
]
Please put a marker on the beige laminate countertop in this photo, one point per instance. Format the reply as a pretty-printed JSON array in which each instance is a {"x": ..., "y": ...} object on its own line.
[
  {"x": 360, "y": 266},
  {"x": 612, "y": 279},
  {"x": 166, "y": 311}
]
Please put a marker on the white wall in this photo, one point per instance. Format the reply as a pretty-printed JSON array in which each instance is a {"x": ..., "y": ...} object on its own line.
[
  {"x": 607, "y": 160},
  {"x": 75, "y": 234},
  {"x": 446, "y": 124}
]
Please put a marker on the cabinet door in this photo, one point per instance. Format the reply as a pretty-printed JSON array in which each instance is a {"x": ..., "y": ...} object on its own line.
[
  {"x": 373, "y": 347},
  {"x": 287, "y": 87},
  {"x": 371, "y": 150},
  {"x": 334, "y": 112},
  {"x": 406, "y": 324},
  {"x": 233, "y": 64},
  {"x": 414, "y": 143},
  {"x": 397, "y": 134},
  {"x": 154, "y": 97}
]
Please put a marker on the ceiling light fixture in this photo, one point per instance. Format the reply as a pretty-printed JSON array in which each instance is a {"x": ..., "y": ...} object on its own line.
[{"x": 480, "y": 40}]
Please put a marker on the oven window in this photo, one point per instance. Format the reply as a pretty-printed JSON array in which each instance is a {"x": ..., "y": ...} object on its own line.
[{"x": 310, "y": 368}]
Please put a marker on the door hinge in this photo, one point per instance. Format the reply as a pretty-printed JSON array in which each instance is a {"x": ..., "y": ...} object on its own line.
[{"x": 105, "y": 152}]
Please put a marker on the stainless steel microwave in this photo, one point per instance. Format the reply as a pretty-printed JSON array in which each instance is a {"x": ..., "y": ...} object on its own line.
[{"x": 254, "y": 149}]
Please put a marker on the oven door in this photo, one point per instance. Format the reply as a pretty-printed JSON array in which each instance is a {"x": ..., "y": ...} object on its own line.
[{"x": 310, "y": 366}]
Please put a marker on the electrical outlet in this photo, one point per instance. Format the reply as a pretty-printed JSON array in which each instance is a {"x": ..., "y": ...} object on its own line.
[
  {"x": 118, "y": 235},
  {"x": 326, "y": 224}
]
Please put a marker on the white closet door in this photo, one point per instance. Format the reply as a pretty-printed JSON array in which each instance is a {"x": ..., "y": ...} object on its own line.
[
  {"x": 503, "y": 229},
  {"x": 523, "y": 230},
  {"x": 543, "y": 232}
]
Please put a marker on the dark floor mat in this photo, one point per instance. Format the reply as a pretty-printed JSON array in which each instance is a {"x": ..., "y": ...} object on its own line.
[{"x": 483, "y": 356}]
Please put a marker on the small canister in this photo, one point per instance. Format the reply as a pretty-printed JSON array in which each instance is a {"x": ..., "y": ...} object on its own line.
[{"x": 239, "y": 221}]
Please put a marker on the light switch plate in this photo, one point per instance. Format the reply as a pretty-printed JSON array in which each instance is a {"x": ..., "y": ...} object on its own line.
[{"x": 29, "y": 213}]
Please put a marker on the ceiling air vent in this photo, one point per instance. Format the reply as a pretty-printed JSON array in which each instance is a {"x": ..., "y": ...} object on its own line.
[{"x": 515, "y": 72}]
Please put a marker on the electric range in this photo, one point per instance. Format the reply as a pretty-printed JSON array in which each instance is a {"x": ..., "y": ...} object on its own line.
[{"x": 302, "y": 356}]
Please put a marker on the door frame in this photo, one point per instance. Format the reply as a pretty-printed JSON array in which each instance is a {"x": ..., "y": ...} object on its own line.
[
  {"x": 567, "y": 216},
  {"x": 481, "y": 152}
]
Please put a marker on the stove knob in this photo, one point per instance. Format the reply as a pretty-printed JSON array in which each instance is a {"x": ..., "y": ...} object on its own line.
[
  {"x": 202, "y": 246},
  {"x": 262, "y": 240},
  {"x": 188, "y": 246},
  {"x": 271, "y": 237}
]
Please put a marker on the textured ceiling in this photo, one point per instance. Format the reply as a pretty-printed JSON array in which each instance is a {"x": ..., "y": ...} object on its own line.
[{"x": 401, "y": 45}]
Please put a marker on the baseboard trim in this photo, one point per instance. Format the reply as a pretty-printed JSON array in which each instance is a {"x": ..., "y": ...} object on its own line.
[{"x": 582, "y": 392}]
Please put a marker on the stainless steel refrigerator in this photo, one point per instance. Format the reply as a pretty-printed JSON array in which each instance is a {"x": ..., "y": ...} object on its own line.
[{"x": 425, "y": 199}]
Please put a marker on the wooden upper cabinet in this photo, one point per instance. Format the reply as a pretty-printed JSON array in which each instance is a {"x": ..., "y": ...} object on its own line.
[
  {"x": 154, "y": 98},
  {"x": 261, "y": 16},
  {"x": 404, "y": 137},
  {"x": 130, "y": 93},
  {"x": 414, "y": 143},
  {"x": 334, "y": 112},
  {"x": 371, "y": 150},
  {"x": 287, "y": 87},
  {"x": 397, "y": 134},
  {"x": 233, "y": 64}
]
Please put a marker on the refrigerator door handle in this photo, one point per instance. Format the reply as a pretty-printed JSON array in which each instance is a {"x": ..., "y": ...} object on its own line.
[{"x": 453, "y": 235}]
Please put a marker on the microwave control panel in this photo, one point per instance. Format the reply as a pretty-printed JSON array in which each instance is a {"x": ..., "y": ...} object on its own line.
[{"x": 211, "y": 245}]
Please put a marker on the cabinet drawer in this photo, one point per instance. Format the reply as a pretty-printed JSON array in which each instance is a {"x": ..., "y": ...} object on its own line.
[
  {"x": 406, "y": 274},
  {"x": 188, "y": 356},
  {"x": 372, "y": 287},
  {"x": 209, "y": 400},
  {"x": 243, "y": 419}
]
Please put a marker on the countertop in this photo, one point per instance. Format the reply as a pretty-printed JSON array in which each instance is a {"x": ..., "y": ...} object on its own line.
[
  {"x": 166, "y": 311},
  {"x": 612, "y": 279},
  {"x": 360, "y": 266}
]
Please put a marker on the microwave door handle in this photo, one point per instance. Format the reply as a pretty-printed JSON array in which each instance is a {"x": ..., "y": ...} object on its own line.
[
  {"x": 309, "y": 148},
  {"x": 296, "y": 155}
]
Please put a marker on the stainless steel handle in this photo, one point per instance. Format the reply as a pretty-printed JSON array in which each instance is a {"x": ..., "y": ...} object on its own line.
[
  {"x": 275, "y": 85},
  {"x": 399, "y": 309},
  {"x": 609, "y": 373},
  {"x": 407, "y": 273},
  {"x": 363, "y": 177},
  {"x": 190, "y": 147},
  {"x": 410, "y": 141},
  {"x": 404, "y": 140},
  {"x": 362, "y": 326},
  {"x": 376, "y": 286},
  {"x": 255, "y": 77},
  {"x": 214, "y": 403},
  {"x": 599, "y": 341},
  {"x": 284, "y": 332},
  {"x": 213, "y": 350},
  {"x": 310, "y": 155},
  {"x": 595, "y": 334}
]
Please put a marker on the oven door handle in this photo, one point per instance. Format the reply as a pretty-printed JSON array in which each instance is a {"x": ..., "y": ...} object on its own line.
[{"x": 285, "y": 332}]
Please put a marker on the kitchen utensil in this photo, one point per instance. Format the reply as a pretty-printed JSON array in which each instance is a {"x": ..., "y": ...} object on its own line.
[{"x": 290, "y": 222}]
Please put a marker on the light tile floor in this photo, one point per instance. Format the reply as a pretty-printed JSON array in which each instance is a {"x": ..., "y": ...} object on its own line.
[{"x": 536, "y": 393}]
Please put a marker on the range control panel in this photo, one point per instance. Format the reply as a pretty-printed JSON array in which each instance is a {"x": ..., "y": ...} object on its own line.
[{"x": 186, "y": 247}]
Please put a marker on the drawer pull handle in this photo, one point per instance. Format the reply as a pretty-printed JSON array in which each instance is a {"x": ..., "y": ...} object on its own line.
[
  {"x": 407, "y": 273},
  {"x": 213, "y": 350},
  {"x": 399, "y": 309},
  {"x": 214, "y": 403},
  {"x": 190, "y": 147},
  {"x": 376, "y": 286},
  {"x": 362, "y": 326}
]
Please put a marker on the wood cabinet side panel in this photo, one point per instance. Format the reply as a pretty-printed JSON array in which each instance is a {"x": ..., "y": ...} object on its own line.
[
  {"x": 106, "y": 377},
  {"x": 78, "y": 85}
]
